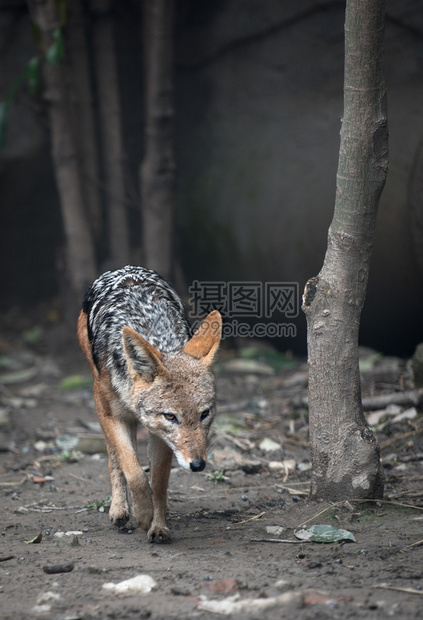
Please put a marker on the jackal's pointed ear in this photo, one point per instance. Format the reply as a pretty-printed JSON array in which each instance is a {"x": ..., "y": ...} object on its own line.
[
  {"x": 144, "y": 360},
  {"x": 205, "y": 342}
]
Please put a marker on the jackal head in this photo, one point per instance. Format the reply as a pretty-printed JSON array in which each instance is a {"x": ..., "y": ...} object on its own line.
[{"x": 174, "y": 393}]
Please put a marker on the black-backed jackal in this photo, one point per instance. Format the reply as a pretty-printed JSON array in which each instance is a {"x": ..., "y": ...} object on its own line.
[{"x": 147, "y": 369}]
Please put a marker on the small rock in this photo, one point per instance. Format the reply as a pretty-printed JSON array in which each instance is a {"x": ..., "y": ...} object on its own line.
[
  {"x": 92, "y": 445},
  {"x": 408, "y": 414},
  {"x": 304, "y": 466},
  {"x": 69, "y": 539},
  {"x": 52, "y": 569},
  {"x": 44, "y": 602},
  {"x": 275, "y": 530},
  {"x": 47, "y": 597},
  {"x": 41, "y": 446},
  {"x": 283, "y": 586},
  {"x": 268, "y": 445}
]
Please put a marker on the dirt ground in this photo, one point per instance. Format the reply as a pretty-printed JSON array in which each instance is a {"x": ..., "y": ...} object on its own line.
[{"x": 233, "y": 524}]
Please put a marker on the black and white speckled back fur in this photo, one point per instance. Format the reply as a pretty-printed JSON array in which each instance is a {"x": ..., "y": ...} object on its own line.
[{"x": 141, "y": 299}]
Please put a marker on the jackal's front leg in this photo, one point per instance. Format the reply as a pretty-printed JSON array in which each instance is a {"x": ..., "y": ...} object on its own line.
[
  {"x": 119, "y": 508},
  {"x": 160, "y": 463},
  {"x": 123, "y": 459}
]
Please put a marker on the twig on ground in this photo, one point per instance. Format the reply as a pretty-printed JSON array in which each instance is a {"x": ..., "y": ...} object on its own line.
[
  {"x": 292, "y": 491},
  {"x": 384, "y": 586},
  {"x": 278, "y": 540},
  {"x": 251, "y": 518},
  {"x": 415, "y": 544},
  {"x": 78, "y": 477},
  {"x": 47, "y": 508},
  {"x": 13, "y": 483}
]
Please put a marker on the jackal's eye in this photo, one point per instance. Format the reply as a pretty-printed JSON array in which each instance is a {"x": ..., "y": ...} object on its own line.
[
  {"x": 205, "y": 414},
  {"x": 171, "y": 417}
]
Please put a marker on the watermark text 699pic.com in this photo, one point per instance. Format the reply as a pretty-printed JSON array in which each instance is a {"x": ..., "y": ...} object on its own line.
[{"x": 256, "y": 302}]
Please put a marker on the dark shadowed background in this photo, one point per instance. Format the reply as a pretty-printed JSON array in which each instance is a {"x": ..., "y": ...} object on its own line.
[{"x": 258, "y": 107}]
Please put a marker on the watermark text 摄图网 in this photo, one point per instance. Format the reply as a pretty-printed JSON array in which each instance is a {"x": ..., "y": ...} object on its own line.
[{"x": 253, "y": 301}]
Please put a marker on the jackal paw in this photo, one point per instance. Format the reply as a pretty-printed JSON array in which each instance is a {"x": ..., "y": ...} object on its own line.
[
  {"x": 144, "y": 515},
  {"x": 120, "y": 521},
  {"x": 158, "y": 534},
  {"x": 119, "y": 515}
]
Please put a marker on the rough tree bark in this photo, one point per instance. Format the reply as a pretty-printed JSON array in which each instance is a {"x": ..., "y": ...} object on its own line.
[
  {"x": 80, "y": 263},
  {"x": 345, "y": 454},
  {"x": 84, "y": 123},
  {"x": 157, "y": 173},
  {"x": 110, "y": 132}
]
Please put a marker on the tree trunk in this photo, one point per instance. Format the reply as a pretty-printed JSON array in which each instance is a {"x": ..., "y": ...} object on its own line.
[
  {"x": 80, "y": 263},
  {"x": 111, "y": 132},
  {"x": 157, "y": 172},
  {"x": 345, "y": 454},
  {"x": 84, "y": 123}
]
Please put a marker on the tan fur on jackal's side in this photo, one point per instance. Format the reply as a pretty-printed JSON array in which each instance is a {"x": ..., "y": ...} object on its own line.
[{"x": 173, "y": 395}]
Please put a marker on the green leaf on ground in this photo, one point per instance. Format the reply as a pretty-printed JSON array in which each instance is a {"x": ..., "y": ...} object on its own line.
[
  {"x": 69, "y": 456},
  {"x": 367, "y": 364},
  {"x": 217, "y": 476},
  {"x": 33, "y": 335},
  {"x": 324, "y": 534},
  {"x": 38, "y": 538},
  {"x": 76, "y": 382},
  {"x": 98, "y": 505},
  {"x": 18, "y": 376}
]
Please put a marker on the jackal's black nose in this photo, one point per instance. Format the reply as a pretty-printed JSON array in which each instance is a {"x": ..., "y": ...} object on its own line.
[{"x": 197, "y": 464}]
